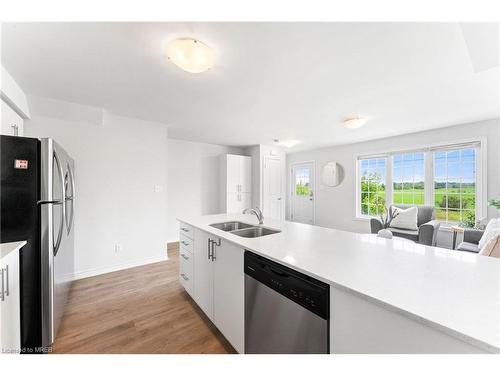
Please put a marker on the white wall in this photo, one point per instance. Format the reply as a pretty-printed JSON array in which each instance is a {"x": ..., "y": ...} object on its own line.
[
  {"x": 193, "y": 180},
  {"x": 13, "y": 95},
  {"x": 118, "y": 163},
  {"x": 335, "y": 206}
]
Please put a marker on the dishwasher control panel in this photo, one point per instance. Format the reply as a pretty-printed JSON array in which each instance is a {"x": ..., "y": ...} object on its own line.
[{"x": 312, "y": 294}]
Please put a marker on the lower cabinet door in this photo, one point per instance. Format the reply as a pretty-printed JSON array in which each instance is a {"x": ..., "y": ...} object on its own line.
[
  {"x": 203, "y": 274},
  {"x": 10, "y": 315},
  {"x": 229, "y": 294}
]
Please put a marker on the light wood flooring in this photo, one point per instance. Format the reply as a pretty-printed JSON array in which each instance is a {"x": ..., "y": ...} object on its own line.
[{"x": 138, "y": 310}]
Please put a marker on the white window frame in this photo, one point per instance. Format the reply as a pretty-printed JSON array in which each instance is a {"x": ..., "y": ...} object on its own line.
[
  {"x": 358, "y": 213},
  {"x": 481, "y": 175}
]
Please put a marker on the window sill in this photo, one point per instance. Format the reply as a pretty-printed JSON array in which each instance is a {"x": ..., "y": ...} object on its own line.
[{"x": 364, "y": 218}]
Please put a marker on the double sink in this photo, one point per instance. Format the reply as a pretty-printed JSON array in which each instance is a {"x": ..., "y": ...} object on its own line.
[{"x": 244, "y": 230}]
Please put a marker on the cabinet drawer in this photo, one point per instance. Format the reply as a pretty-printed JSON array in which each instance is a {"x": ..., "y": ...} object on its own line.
[
  {"x": 187, "y": 230},
  {"x": 186, "y": 270},
  {"x": 186, "y": 243}
]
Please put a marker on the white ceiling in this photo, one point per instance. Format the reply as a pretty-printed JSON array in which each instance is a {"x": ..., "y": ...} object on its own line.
[{"x": 271, "y": 80}]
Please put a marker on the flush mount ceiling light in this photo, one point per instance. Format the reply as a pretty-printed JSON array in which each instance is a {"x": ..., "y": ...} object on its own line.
[
  {"x": 191, "y": 55},
  {"x": 355, "y": 122},
  {"x": 287, "y": 143}
]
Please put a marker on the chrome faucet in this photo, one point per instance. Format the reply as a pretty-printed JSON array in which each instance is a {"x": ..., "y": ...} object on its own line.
[{"x": 257, "y": 212}]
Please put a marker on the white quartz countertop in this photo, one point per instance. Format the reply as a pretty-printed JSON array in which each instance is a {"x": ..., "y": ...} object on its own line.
[
  {"x": 8, "y": 247},
  {"x": 453, "y": 291}
]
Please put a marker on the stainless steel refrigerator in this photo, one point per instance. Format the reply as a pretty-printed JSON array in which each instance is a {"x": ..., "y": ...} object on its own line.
[{"x": 38, "y": 205}]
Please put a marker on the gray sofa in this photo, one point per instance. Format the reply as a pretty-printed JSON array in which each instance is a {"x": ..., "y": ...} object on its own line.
[
  {"x": 426, "y": 223},
  {"x": 471, "y": 240}
]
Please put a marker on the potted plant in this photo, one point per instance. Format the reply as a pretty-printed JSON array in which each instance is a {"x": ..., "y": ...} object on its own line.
[
  {"x": 495, "y": 203},
  {"x": 386, "y": 220}
]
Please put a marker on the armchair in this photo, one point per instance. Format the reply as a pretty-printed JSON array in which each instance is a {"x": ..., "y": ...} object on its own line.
[
  {"x": 426, "y": 223},
  {"x": 471, "y": 239}
]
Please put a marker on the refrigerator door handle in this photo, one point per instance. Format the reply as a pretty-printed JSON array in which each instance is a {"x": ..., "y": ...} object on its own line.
[
  {"x": 71, "y": 198},
  {"x": 63, "y": 216},
  {"x": 57, "y": 202}
]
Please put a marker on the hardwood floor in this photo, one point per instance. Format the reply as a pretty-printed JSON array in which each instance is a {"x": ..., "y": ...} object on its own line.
[{"x": 138, "y": 310}]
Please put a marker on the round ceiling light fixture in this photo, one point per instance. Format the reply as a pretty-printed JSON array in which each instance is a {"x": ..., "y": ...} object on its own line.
[
  {"x": 286, "y": 143},
  {"x": 191, "y": 55},
  {"x": 355, "y": 122}
]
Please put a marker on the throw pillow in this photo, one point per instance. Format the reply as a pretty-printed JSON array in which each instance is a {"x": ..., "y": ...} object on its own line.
[
  {"x": 491, "y": 230},
  {"x": 405, "y": 219}
]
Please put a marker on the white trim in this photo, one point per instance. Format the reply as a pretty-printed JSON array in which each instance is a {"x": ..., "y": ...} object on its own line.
[
  {"x": 290, "y": 188},
  {"x": 118, "y": 267},
  {"x": 481, "y": 172},
  {"x": 357, "y": 209},
  {"x": 420, "y": 148}
]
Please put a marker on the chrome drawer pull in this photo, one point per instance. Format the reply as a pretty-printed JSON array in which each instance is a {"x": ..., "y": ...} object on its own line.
[
  {"x": 184, "y": 277},
  {"x": 7, "y": 280},
  {"x": 185, "y": 257},
  {"x": 185, "y": 243},
  {"x": 185, "y": 229}
]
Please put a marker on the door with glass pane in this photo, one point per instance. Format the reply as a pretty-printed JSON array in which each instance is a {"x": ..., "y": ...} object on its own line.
[{"x": 302, "y": 199}]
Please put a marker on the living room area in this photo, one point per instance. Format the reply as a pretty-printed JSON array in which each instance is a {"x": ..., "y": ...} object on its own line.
[{"x": 437, "y": 187}]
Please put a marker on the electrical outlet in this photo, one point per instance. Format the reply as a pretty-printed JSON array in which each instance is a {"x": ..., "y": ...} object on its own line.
[{"x": 118, "y": 248}]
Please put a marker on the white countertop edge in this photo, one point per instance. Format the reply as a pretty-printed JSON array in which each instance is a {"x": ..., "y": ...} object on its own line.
[
  {"x": 461, "y": 336},
  {"x": 419, "y": 319},
  {"x": 7, "y": 247}
]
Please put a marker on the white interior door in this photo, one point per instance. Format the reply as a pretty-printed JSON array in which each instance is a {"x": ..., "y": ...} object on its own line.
[
  {"x": 302, "y": 208},
  {"x": 272, "y": 199}
]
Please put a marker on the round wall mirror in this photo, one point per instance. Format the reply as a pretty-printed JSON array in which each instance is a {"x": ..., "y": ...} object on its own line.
[{"x": 330, "y": 174}]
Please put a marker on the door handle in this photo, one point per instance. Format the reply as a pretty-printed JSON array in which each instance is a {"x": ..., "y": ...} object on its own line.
[
  {"x": 63, "y": 214},
  {"x": 56, "y": 202},
  {"x": 185, "y": 257},
  {"x": 213, "y": 250},
  {"x": 214, "y": 243},
  {"x": 184, "y": 277},
  {"x": 6, "y": 271}
]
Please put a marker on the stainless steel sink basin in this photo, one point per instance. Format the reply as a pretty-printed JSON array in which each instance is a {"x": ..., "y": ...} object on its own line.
[
  {"x": 255, "y": 232},
  {"x": 230, "y": 226}
]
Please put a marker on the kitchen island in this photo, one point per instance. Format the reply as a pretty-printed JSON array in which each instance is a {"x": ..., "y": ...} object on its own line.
[{"x": 386, "y": 296}]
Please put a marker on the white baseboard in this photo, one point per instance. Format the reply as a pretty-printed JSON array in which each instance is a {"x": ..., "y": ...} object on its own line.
[{"x": 117, "y": 267}]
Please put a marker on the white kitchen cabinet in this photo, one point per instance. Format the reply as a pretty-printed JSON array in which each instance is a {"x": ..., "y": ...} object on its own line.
[
  {"x": 229, "y": 293},
  {"x": 12, "y": 123},
  {"x": 10, "y": 315},
  {"x": 236, "y": 183},
  {"x": 245, "y": 174},
  {"x": 186, "y": 268},
  {"x": 219, "y": 285},
  {"x": 203, "y": 273}
]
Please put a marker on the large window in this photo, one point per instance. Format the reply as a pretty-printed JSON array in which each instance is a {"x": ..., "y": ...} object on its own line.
[
  {"x": 408, "y": 178},
  {"x": 372, "y": 186},
  {"x": 446, "y": 177},
  {"x": 455, "y": 185}
]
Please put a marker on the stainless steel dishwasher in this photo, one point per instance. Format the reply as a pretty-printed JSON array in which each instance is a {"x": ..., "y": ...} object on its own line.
[{"x": 285, "y": 310}]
